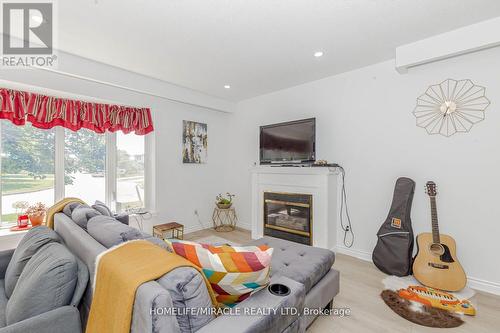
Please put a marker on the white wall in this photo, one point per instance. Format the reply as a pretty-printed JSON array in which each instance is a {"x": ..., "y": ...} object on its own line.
[
  {"x": 364, "y": 122},
  {"x": 180, "y": 188},
  {"x": 183, "y": 188}
]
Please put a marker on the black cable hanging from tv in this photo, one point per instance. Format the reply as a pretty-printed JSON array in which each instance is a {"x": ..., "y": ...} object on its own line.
[{"x": 347, "y": 228}]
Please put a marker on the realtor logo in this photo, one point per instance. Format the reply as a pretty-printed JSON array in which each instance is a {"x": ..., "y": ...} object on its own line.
[{"x": 28, "y": 34}]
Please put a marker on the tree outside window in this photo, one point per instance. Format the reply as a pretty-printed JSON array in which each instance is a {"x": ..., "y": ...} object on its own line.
[{"x": 27, "y": 172}]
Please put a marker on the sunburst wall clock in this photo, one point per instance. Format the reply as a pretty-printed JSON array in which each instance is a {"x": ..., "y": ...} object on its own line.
[{"x": 450, "y": 107}]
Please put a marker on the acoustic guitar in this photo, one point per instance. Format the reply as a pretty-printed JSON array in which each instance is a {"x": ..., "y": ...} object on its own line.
[{"x": 436, "y": 263}]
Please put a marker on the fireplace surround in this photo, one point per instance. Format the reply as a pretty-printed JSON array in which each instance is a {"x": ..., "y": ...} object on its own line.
[{"x": 313, "y": 186}]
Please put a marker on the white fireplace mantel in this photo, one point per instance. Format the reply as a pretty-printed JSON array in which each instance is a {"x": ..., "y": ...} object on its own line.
[{"x": 320, "y": 182}]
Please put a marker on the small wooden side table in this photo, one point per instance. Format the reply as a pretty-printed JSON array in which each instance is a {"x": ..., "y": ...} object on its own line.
[
  {"x": 175, "y": 230},
  {"x": 224, "y": 219}
]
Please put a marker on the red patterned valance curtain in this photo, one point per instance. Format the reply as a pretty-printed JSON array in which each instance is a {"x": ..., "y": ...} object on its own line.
[{"x": 47, "y": 111}]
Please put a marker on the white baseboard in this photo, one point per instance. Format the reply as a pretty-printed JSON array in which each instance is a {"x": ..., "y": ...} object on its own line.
[
  {"x": 483, "y": 285},
  {"x": 196, "y": 227},
  {"x": 363, "y": 255},
  {"x": 474, "y": 283}
]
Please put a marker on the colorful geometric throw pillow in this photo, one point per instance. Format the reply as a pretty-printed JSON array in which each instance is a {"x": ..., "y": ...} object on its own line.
[{"x": 234, "y": 272}]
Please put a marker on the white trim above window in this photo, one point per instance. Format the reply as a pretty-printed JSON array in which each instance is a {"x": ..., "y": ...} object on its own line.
[
  {"x": 59, "y": 167},
  {"x": 111, "y": 170}
]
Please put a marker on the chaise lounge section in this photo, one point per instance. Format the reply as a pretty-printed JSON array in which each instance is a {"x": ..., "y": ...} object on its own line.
[{"x": 307, "y": 265}]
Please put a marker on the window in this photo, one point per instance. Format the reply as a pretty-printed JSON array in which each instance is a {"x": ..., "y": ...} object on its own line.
[
  {"x": 84, "y": 165},
  {"x": 27, "y": 167},
  {"x": 48, "y": 165},
  {"x": 129, "y": 171}
]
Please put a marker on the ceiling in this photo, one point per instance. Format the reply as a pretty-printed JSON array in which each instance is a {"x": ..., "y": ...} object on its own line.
[{"x": 256, "y": 46}]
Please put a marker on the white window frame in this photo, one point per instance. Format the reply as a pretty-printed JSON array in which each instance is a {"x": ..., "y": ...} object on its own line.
[
  {"x": 150, "y": 172},
  {"x": 110, "y": 169},
  {"x": 59, "y": 167},
  {"x": 1, "y": 152}
]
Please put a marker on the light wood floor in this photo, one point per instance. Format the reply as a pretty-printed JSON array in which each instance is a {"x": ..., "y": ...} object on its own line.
[{"x": 360, "y": 286}]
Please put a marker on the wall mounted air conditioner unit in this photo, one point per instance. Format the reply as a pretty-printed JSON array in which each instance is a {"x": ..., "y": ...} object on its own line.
[{"x": 465, "y": 40}]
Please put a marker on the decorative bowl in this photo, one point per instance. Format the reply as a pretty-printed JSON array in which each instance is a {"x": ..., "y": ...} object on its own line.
[{"x": 224, "y": 206}]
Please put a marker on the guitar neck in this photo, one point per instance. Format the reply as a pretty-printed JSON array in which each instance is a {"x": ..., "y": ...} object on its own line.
[{"x": 434, "y": 218}]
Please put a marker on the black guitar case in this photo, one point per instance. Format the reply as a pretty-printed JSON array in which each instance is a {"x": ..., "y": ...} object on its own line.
[{"x": 394, "y": 249}]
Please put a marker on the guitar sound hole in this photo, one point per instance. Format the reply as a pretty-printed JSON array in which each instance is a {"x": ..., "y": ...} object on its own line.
[{"x": 437, "y": 249}]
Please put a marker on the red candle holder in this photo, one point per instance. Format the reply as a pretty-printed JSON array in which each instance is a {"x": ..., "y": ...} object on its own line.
[{"x": 22, "y": 221}]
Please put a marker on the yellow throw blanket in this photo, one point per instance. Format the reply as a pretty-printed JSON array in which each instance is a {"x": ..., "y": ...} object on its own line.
[
  {"x": 57, "y": 208},
  {"x": 120, "y": 271}
]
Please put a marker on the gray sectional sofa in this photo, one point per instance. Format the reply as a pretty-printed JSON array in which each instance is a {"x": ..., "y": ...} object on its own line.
[
  {"x": 306, "y": 271},
  {"x": 41, "y": 285}
]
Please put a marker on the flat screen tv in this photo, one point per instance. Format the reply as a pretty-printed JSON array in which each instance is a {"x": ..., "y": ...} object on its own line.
[{"x": 290, "y": 142}]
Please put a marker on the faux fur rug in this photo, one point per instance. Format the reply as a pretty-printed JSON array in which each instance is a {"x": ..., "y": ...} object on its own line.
[{"x": 420, "y": 314}]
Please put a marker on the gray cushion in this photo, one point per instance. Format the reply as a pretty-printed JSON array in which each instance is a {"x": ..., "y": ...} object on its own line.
[
  {"x": 122, "y": 217},
  {"x": 102, "y": 208},
  {"x": 68, "y": 209},
  {"x": 302, "y": 263},
  {"x": 82, "y": 214},
  {"x": 3, "y": 304},
  {"x": 47, "y": 282},
  {"x": 109, "y": 232},
  {"x": 188, "y": 291},
  {"x": 28, "y": 246},
  {"x": 131, "y": 234}
]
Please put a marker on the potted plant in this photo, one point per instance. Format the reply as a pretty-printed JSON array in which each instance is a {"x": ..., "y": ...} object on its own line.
[
  {"x": 22, "y": 217},
  {"x": 224, "y": 201},
  {"x": 36, "y": 213}
]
